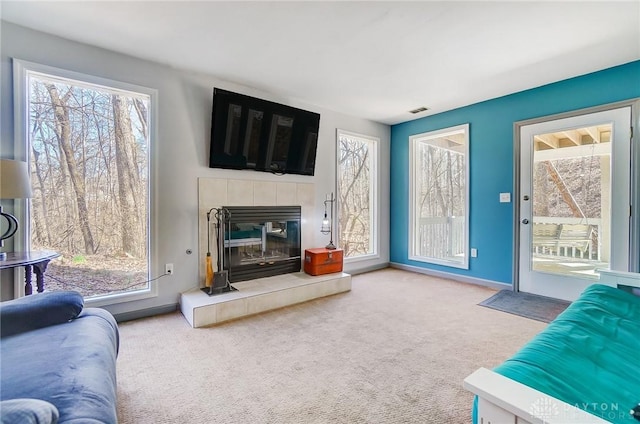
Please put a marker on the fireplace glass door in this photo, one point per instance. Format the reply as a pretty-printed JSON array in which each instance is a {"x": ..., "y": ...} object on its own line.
[{"x": 261, "y": 242}]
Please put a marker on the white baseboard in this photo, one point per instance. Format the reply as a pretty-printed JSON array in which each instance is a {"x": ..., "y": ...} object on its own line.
[
  {"x": 451, "y": 276},
  {"x": 144, "y": 313},
  {"x": 353, "y": 270}
]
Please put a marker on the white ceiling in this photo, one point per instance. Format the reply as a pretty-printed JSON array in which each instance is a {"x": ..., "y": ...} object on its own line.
[{"x": 376, "y": 60}]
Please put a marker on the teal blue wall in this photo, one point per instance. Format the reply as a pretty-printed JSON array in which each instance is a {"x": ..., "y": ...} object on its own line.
[{"x": 491, "y": 161}]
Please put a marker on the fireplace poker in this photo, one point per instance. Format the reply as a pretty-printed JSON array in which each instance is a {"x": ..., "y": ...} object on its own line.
[
  {"x": 208, "y": 281},
  {"x": 221, "y": 276}
]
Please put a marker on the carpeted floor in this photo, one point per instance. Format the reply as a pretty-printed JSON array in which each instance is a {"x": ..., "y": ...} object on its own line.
[
  {"x": 527, "y": 305},
  {"x": 393, "y": 350}
]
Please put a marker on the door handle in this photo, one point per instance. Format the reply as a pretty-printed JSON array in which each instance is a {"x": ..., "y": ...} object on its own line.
[{"x": 525, "y": 221}]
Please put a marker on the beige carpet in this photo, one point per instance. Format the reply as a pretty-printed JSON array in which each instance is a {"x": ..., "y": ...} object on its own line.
[{"x": 393, "y": 350}]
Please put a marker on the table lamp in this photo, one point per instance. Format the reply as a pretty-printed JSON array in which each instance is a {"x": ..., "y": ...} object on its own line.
[{"x": 14, "y": 184}]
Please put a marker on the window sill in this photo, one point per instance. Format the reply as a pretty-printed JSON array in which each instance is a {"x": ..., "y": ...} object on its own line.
[{"x": 116, "y": 298}]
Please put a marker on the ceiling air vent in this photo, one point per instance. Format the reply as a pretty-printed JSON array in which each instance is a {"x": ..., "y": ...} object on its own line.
[{"x": 418, "y": 110}]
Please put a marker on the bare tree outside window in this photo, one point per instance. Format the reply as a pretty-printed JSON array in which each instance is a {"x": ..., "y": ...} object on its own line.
[
  {"x": 89, "y": 169},
  {"x": 439, "y": 194},
  {"x": 356, "y": 194}
]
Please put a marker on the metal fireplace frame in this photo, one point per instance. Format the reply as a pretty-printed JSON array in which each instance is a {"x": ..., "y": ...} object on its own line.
[{"x": 251, "y": 214}]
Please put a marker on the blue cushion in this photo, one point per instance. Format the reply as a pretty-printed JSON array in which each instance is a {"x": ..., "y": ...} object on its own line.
[
  {"x": 28, "y": 411},
  {"x": 39, "y": 310}
]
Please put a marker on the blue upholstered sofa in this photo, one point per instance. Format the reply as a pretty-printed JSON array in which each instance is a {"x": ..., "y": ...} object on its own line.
[{"x": 58, "y": 361}]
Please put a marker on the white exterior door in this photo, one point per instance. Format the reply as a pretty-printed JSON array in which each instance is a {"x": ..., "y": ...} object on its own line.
[{"x": 574, "y": 201}]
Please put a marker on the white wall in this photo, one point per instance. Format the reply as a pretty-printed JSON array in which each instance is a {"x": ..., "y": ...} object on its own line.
[{"x": 180, "y": 152}]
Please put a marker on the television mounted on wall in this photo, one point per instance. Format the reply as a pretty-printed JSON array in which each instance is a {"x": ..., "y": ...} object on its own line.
[{"x": 251, "y": 133}]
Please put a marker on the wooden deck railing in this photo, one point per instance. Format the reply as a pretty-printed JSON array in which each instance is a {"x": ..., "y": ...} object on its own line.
[
  {"x": 566, "y": 237},
  {"x": 441, "y": 237}
]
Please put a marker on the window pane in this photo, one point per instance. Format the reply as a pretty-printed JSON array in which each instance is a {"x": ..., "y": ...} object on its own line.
[
  {"x": 356, "y": 194},
  {"x": 439, "y": 197},
  {"x": 89, "y": 174}
]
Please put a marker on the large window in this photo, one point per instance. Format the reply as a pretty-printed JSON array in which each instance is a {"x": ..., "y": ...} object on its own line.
[
  {"x": 357, "y": 195},
  {"x": 88, "y": 148},
  {"x": 439, "y": 193}
]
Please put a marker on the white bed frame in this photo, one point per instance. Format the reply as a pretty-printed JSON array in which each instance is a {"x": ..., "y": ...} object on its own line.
[{"x": 505, "y": 401}]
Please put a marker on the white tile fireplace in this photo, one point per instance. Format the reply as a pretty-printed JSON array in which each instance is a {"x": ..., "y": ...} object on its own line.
[
  {"x": 263, "y": 294},
  {"x": 218, "y": 192}
]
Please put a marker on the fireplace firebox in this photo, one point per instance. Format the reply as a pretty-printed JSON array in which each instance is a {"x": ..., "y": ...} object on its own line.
[{"x": 261, "y": 241}]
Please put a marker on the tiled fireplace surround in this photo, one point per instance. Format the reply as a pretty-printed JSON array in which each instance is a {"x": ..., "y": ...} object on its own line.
[{"x": 263, "y": 294}]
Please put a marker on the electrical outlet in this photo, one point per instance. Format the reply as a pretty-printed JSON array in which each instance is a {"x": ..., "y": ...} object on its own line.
[
  {"x": 474, "y": 252},
  {"x": 168, "y": 269}
]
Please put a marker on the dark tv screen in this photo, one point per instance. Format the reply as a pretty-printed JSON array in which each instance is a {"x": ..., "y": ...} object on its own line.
[{"x": 251, "y": 133}]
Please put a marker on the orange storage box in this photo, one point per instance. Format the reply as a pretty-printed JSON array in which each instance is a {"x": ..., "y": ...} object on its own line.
[{"x": 322, "y": 261}]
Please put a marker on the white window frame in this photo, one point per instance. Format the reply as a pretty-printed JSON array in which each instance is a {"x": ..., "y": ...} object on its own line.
[
  {"x": 413, "y": 143},
  {"x": 21, "y": 70},
  {"x": 373, "y": 195}
]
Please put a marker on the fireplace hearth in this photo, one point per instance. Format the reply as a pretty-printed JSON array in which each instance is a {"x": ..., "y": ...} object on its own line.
[{"x": 261, "y": 241}]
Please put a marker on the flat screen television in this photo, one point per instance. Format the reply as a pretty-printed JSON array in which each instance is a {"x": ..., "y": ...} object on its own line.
[{"x": 251, "y": 133}]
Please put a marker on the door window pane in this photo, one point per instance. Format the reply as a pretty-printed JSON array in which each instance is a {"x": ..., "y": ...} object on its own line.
[{"x": 571, "y": 201}]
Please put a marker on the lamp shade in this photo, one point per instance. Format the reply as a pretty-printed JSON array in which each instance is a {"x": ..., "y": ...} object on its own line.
[{"x": 14, "y": 179}]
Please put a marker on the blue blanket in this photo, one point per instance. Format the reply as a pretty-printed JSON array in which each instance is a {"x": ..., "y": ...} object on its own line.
[{"x": 70, "y": 363}]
